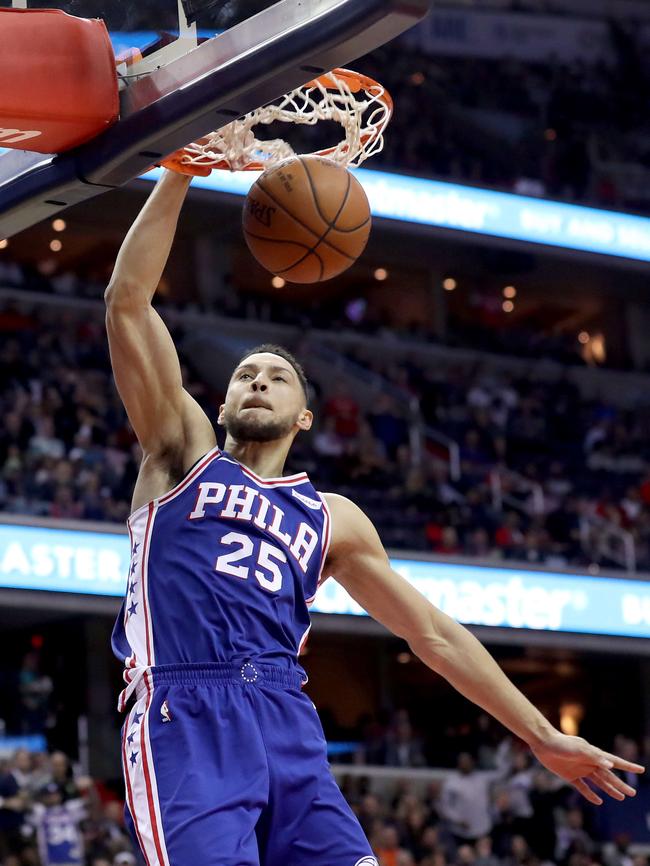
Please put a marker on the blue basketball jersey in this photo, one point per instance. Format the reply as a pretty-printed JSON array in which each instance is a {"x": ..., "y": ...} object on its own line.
[{"x": 223, "y": 568}]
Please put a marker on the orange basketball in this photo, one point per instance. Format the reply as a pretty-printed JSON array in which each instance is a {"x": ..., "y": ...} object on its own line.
[{"x": 307, "y": 219}]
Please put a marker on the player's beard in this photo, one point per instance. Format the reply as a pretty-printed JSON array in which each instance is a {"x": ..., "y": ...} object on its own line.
[{"x": 255, "y": 428}]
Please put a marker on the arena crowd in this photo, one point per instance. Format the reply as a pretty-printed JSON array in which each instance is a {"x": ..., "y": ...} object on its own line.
[
  {"x": 495, "y": 808},
  {"x": 563, "y": 130},
  {"x": 554, "y": 129},
  {"x": 67, "y": 450}
]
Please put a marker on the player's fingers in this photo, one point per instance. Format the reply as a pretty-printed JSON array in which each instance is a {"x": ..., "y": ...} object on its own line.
[
  {"x": 621, "y": 764},
  {"x": 583, "y": 788},
  {"x": 609, "y": 778},
  {"x": 600, "y": 781}
]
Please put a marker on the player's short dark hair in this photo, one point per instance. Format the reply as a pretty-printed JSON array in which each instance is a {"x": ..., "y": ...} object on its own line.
[{"x": 274, "y": 349}]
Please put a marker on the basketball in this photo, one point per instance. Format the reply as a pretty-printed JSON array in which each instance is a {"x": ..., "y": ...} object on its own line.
[{"x": 306, "y": 219}]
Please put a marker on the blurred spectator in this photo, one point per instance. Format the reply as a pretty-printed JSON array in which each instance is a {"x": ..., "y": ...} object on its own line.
[
  {"x": 572, "y": 837},
  {"x": 35, "y": 690},
  {"x": 328, "y": 443},
  {"x": 387, "y": 425},
  {"x": 484, "y": 854},
  {"x": 63, "y": 776},
  {"x": 465, "y": 801},
  {"x": 403, "y": 749},
  {"x": 389, "y": 852},
  {"x": 343, "y": 409},
  {"x": 545, "y": 798},
  {"x": 13, "y": 804},
  {"x": 58, "y": 827}
]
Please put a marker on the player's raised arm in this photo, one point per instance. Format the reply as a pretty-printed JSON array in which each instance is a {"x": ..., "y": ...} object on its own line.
[
  {"x": 359, "y": 562},
  {"x": 166, "y": 419}
]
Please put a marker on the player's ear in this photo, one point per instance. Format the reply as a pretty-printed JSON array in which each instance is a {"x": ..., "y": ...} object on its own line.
[
  {"x": 222, "y": 411},
  {"x": 305, "y": 419}
]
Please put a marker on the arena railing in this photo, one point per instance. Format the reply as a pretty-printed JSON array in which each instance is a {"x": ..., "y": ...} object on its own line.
[
  {"x": 627, "y": 389},
  {"x": 603, "y": 539},
  {"x": 371, "y": 382},
  {"x": 533, "y": 506},
  {"x": 600, "y": 538}
]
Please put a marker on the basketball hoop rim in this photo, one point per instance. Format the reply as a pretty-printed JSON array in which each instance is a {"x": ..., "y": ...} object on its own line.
[{"x": 357, "y": 82}]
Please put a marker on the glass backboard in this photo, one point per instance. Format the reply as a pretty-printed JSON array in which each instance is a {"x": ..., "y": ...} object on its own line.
[
  {"x": 186, "y": 68},
  {"x": 161, "y": 30}
]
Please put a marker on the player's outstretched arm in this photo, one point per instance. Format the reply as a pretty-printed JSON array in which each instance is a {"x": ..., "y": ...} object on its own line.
[
  {"x": 166, "y": 419},
  {"x": 358, "y": 561}
]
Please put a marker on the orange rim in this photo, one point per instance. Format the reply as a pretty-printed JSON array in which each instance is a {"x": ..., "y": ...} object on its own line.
[{"x": 356, "y": 81}]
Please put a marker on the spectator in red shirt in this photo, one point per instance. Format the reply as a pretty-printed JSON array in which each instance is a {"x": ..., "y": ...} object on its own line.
[{"x": 342, "y": 406}]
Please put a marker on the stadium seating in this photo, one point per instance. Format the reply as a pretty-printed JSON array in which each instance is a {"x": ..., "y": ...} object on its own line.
[{"x": 543, "y": 475}]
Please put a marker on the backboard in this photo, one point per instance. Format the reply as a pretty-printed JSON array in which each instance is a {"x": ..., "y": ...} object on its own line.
[{"x": 187, "y": 67}]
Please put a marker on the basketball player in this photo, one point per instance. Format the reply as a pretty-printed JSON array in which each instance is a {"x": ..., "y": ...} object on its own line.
[{"x": 224, "y": 757}]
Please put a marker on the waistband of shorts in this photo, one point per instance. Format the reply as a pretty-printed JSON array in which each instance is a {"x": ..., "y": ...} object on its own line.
[{"x": 237, "y": 673}]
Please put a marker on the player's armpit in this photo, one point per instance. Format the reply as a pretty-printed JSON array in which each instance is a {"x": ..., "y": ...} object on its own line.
[{"x": 147, "y": 373}]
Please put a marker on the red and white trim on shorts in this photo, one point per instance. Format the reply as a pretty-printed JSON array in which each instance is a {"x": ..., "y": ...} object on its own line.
[
  {"x": 141, "y": 783},
  {"x": 129, "y": 792}
]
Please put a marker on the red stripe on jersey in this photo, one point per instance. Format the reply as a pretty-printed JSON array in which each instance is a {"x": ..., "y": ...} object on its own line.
[
  {"x": 145, "y": 557},
  {"x": 304, "y": 638},
  {"x": 209, "y": 457},
  {"x": 290, "y": 480},
  {"x": 327, "y": 537}
]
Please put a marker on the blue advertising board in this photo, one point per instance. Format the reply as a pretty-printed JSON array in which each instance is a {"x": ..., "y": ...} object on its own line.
[
  {"x": 481, "y": 211},
  {"x": 96, "y": 563}
]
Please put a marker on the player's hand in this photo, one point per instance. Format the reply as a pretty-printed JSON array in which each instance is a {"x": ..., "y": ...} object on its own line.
[
  {"x": 179, "y": 161},
  {"x": 578, "y": 762},
  {"x": 175, "y": 163}
]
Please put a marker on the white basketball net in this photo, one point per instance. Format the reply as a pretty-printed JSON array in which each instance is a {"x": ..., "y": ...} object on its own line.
[{"x": 363, "y": 115}]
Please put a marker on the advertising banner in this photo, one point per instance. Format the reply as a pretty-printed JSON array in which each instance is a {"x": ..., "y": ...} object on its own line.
[
  {"x": 96, "y": 563},
  {"x": 481, "y": 211}
]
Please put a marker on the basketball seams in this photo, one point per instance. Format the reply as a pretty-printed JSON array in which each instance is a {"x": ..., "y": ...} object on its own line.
[
  {"x": 315, "y": 180},
  {"x": 332, "y": 224},
  {"x": 278, "y": 240},
  {"x": 320, "y": 239},
  {"x": 309, "y": 251},
  {"x": 354, "y": 228}
]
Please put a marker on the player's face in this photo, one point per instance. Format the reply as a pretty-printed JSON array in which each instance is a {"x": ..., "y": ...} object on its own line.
[{"x": 265, "y": 401}]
